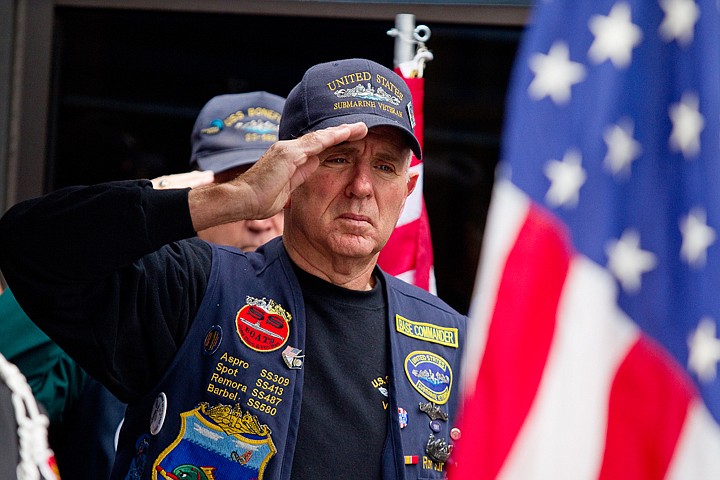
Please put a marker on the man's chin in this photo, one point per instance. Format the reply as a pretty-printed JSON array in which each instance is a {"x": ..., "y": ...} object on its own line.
[
  {"x": 248, "y": 247},
  {"x": 354, "y": 246}
]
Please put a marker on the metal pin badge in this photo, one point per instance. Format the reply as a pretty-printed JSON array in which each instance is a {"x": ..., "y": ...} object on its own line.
[
  {"x": 455, "y": 433},
  {"x": 438, "y": 449},
  {"x": 292, "y": 358},
  {"x": 434, "y": 426},
  {"x": 433, "y": 411}
]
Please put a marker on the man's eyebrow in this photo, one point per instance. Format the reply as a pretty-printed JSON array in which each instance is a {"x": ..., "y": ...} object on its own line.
[
  {"x": 391, "y": 157},
  {"x": 348, "y": 148},
  {"x": 344, "y": 147}
]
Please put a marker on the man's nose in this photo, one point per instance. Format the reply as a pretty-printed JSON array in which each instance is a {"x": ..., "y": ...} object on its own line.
[{"x": 360, "y": 185}]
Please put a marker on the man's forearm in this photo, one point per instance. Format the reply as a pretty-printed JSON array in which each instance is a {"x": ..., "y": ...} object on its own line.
[
  {"x": 88, "y": 266},
  {"x": 82, "y": 232}
]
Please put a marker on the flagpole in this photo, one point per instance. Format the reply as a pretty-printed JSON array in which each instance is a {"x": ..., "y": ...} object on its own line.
[{"x": 404, "y": 38}]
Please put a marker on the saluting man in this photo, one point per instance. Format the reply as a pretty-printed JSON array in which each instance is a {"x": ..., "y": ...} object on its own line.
[{"x": 300, "y": 360}]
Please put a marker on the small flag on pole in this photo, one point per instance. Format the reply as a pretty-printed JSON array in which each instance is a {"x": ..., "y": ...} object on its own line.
[{"x": 408, "y": 253}]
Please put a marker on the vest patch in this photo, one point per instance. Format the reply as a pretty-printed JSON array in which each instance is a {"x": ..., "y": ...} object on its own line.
[
  {"x": 427, "y": 331},
  {"x": 263, "y": 325},
  {"x": 430, "y": 375},
  {"x": 217, "y": 442}
]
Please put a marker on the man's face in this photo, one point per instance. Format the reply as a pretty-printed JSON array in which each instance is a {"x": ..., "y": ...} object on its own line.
[
  {"x": 247, "y": 235},
  {"x": 349, "y": 206}
]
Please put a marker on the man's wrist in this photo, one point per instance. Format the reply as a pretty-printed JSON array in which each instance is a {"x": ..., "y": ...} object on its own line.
[{"x": 218, "y": 204}]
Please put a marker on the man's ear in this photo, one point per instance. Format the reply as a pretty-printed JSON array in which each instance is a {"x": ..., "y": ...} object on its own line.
[{"x": 412, "y": 181}]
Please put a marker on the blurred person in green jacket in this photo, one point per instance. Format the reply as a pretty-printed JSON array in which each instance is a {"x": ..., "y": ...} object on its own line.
[{"x": 80, "y": 410}]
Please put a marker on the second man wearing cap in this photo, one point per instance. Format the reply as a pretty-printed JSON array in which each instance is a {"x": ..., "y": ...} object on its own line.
[{"x": 230, "y": 134}]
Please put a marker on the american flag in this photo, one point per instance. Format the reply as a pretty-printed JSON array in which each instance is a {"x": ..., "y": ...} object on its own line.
[
  {"x": 408, "y": 253},
  {"x": 593, "y": 346}
]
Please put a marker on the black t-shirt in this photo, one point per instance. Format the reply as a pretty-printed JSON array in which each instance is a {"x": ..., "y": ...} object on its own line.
[{"x": 343, "y": 421}]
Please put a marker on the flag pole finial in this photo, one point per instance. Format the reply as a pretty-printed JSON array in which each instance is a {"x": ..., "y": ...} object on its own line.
[{"x": 410, "y": 44}]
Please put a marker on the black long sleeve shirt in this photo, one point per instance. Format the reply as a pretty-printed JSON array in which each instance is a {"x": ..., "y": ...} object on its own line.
[{"x": 106, "y": 269}]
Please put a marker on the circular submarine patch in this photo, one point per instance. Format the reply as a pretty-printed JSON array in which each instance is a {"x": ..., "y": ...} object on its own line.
[{"x": 261, "y": 330}]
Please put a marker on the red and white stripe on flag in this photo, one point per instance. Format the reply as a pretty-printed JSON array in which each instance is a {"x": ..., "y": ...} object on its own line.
[
  {"x": 558, "y": 383},
  {"x": 408, "y": 253}
]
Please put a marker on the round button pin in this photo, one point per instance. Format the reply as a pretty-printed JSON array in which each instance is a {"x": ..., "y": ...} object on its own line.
[
  {"x": 455, "y": 433},
  {"x": 435, "y": 426},
  {"x": 157, "y": 417}
]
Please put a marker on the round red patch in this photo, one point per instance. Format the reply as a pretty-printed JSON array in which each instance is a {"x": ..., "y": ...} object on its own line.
[{"x": 260, "y": 330}]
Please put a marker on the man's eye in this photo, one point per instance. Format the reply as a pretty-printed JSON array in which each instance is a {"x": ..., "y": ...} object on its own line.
[
  {"x": 336, "y": 160},
  {"x": 386, "y": 168}
]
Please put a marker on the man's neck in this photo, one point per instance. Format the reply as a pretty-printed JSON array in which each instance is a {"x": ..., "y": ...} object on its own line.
[{"x": 351, "y": 273}]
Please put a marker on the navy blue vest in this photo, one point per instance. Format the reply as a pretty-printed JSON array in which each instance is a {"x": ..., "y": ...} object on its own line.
[{"x": 229, "y": 404}]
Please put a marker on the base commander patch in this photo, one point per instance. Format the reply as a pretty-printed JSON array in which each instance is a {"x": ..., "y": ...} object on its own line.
[{"x": 427, "y": 331}]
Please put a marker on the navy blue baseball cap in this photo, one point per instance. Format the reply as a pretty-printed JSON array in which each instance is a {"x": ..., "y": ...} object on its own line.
[
  {"x": 349, "y": 91},
  {"x": 235, "y": 129}
]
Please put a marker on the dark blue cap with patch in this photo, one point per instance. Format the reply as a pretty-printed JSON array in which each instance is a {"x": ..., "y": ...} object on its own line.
[
  {"x": 348, "y": 91},
  {"x": 235, "y": 129}
]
